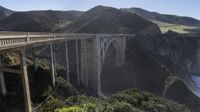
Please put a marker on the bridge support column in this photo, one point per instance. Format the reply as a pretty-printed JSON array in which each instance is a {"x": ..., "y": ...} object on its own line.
[
  {"x": 67, "y": 62},
  {"x": 55, "y": 62},
  {"x": 84, "y": 68},
  {"x": 2, "y": 82},
  {"x": 77, "y": 63},
  {"x": 53, "y": 80},
  {"x": 26, "y": 88},
  {"x": 94, "y": 67},
  {"x": 120, "y": 52},
  {"x": 35, "y": 59}
]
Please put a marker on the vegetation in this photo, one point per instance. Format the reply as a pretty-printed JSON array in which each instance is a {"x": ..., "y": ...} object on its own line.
[
  {"x": 132, "y": 100},
  {"x": 38, "y": 21}
]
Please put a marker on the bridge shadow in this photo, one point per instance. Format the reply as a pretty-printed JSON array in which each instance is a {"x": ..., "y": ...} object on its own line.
[
  {"x": 140, "y": 71},
  {"x": 114, "y": 78}
]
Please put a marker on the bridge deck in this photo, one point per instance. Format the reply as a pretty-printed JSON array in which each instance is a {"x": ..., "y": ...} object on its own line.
[{"x": 10, "y": 40}]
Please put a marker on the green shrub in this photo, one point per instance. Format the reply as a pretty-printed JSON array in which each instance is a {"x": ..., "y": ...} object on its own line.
[{"x": 50, "y": 105}]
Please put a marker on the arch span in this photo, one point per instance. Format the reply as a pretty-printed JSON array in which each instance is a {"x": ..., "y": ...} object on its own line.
[{"x": 102, "y": 49}]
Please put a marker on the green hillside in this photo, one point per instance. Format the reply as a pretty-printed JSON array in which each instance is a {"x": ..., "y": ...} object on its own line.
[{"x": 39, "y": 21}]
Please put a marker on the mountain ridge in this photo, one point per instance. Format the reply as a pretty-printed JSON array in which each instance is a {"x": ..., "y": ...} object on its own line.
[
  {"x": 101, "y": 19},
  {"x": 166, "y": 18}
]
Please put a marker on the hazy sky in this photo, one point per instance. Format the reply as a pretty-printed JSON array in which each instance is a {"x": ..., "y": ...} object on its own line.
[{"x": 178, "y": 7}]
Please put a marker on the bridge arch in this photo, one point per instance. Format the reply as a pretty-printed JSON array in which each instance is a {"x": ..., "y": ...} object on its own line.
[{"x": 104, "y": 44}]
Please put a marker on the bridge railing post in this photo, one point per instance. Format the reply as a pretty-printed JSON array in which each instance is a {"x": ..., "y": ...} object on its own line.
[
  {"x": 27, "y": 38},
  {"x": 25, "y": 81}
]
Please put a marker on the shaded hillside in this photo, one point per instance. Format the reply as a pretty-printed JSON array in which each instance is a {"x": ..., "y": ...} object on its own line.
[
  {"x": 180, "y": 53},
  {"x": 102, "y": 19},
  {"x": 171, "y": 19},
  {"x": 140, "y": 71},
  {"x": 176, "y": 90},
  {"x": 5, "y": 12},
  {"x": 38, "y": 21}
]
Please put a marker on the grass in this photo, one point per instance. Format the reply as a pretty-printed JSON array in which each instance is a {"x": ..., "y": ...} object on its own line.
[{"x": 164, "y": 27}]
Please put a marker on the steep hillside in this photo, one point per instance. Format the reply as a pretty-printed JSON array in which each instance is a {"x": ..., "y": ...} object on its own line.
[
  {"x": 102, "y": 19},
  {"x": 176, "y": 90},
  {"x": 180, "y": 24},
  {"x": 38, "y": 21},
  {"x": 5, "y": 12},
  {"x": 171, "y": 19}
]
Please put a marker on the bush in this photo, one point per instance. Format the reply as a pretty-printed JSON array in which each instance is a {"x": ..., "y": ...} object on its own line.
[{"x": 64, "y": 89}]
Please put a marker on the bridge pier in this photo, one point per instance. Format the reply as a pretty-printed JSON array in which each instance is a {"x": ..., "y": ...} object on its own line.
[
  {"x": 2, "y": 82},
  {"x": 92, "y": 66},
  {"x": 52, "y": 66},
  {"x": 55, "y": 61},
  {"x": 120, "y": 52},
  {"x": 67, "y": 62},
  {"x": 84, "y": 63},
  {"x": 77, "y": 62},
  {"x": 25, "y": 81},
  {"x": 35, "y": 59}
]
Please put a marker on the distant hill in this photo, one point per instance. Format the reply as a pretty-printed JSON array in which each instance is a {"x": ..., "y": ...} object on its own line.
[
  {"x": 102, "y": 19},
  {"x": 39, "y": 21},
  {"x": 170, "y": 19}
]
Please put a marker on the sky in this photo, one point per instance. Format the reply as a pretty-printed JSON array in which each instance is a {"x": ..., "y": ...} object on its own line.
[{"x": 178, "y": 7}]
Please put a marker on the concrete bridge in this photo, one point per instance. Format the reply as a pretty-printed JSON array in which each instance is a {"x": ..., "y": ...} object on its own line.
[{"x": 90, "y": 51}]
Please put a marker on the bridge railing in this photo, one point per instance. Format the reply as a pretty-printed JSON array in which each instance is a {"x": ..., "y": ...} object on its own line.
[{"x": 9, "y": 39}]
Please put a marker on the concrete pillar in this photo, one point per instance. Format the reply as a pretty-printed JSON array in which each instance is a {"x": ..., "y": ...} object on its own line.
[
  {"x": 86, "y": 68},
  {"x": 55, "y": 62},
  {"x": 77, "y": 63},
  {"x": 123, "y": 50},
  {"x": 83, "y": 73},
  {"x": 35, "y": 60},
  {"x": 67, "y": 61},
  {"x": 99, "y": 66},
  {"x": 92, "y": 66},
  {"x": 2, "y": 82},
  {"x": 120, "y": 51},
  {"x": 26, "y": 88},
  {"x": 53, "y": 80}
]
